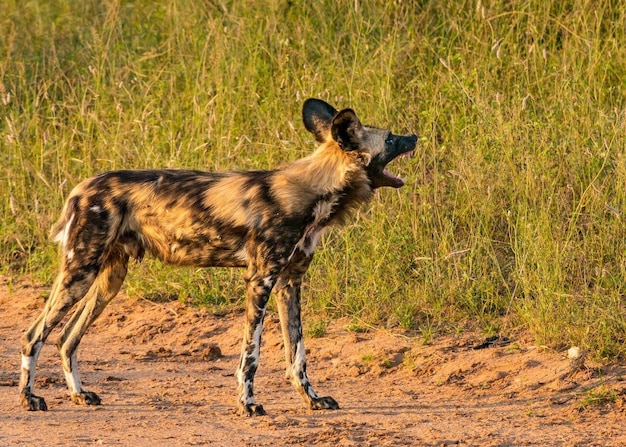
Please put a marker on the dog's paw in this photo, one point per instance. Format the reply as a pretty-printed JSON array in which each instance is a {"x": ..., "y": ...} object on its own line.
[
  {"x": 251, "y": 410},
  {"x": 324, "y": 403},
  {"x": 31, "y": 402},
  {"x": 86, "y": 398}
]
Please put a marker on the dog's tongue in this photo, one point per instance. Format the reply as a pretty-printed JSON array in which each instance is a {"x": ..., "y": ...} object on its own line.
[{"x": 394, "y": 179}]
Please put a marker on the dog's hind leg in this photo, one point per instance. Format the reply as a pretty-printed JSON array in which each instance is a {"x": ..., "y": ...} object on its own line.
[
  {"x": 287, "y": 291},
  {"x": 84, "y": 239},
  {"x": 69, "y": 288},
  {"x": 104, "y": 289}
]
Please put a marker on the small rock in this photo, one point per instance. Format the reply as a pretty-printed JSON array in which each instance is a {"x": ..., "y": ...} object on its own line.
[
  {"x": 573, "y": 353},
  {"x": 353, "y": 371},
  {"x": 212, "y": 352}
]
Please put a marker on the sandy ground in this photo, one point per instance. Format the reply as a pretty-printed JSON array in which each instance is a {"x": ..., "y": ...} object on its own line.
[{"x": 165, "y": 376}]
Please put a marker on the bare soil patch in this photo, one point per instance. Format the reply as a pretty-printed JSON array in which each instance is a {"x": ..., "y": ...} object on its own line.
[{"x": 165, "y": 376}]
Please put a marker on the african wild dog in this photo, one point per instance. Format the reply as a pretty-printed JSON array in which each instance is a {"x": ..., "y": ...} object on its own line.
[{"x": 266, "y": 221}]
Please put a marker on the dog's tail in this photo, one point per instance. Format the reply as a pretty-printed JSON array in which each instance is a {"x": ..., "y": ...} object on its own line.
[{"x": 60, "y": 231}]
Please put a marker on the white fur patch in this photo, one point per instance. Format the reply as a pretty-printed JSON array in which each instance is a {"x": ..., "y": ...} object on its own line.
[
  {"x": 27, "y": 361},
  {"x": 242, "y": 254},
  {"x": 96, "y": 209},
  {"x": 72, "y": 378},
  {"x": 298, "y": 374},
  {"x": 268, "y": 281},
  {"x": 30, "y": 362},
  {"x": 300, "y": 359},
  {"x": 314, "y": 232},
  {"x": 309, "y": 241},
  {"x": 239, "y": 374},
  {"x": 61, "y": 236},
  {"x": 256, "y": 340},
  {"x": 322, "y": 210},
  {"x": 316, "y": 237}
]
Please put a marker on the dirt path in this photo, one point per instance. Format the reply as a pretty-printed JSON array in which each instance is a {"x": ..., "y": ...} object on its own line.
[{"x": 162, "y": 382}]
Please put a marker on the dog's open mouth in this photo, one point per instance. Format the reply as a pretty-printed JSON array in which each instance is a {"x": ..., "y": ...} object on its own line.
[
  {"x": 399, "y": 147},
  {"x": 392, "y": 179}
]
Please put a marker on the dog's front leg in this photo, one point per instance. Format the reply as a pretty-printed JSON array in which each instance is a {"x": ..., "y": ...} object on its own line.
[
  {"x": 287, "y": 293},
  {"x": 259, "y": 284}
]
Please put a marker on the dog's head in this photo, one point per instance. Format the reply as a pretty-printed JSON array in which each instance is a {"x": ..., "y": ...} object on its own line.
[{"x": 378, "y": 146}]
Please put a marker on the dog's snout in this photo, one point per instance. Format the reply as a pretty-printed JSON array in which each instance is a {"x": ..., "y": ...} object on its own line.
[{"x": 409, "y": 141}]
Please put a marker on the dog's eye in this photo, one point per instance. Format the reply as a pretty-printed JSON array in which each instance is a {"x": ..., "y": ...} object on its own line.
[{"x": 389, "y": 140}]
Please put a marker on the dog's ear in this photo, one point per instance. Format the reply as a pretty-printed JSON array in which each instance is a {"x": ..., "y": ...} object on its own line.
[
  {"x": 345, "y": 129},
  {"x": 317, "y": 116}
]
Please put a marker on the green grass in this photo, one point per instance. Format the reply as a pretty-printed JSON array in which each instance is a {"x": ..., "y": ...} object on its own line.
[
  {"x": 597, "y": 397},
  {"x": 513, "y": 213}
]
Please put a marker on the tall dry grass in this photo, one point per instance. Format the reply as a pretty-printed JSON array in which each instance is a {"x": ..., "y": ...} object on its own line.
[{"x": 513, "y": 213}]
